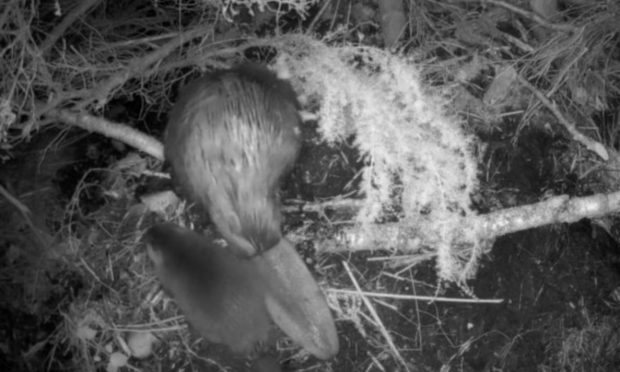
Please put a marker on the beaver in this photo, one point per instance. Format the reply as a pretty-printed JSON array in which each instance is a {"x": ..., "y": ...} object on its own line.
[
  {"x": 232, "y": 300},
  {"x": 231, "y": 137}
]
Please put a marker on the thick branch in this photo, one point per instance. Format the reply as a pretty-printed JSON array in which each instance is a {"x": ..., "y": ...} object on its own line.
[
  {"x": 119, "y": 132},
  {"x": 559, "y": 209},
  {"x": 420, "y": 240}
]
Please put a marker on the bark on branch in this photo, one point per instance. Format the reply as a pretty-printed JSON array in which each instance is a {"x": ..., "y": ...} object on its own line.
[
  {"x": 559, "y": 209},
  {"x": 119, "y": 132}
]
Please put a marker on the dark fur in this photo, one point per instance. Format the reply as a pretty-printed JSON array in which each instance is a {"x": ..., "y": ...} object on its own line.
[
  {"x": 231, "y": 137},
  {"x": 221, "y": 294}
]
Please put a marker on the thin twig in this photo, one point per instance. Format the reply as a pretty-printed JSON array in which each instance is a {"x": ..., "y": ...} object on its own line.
[
  {"x": 140, "y": 64},
  {"x": 317, "y": 17},
  {"x": 588, "y": 142},
  {"x": 531, "y": 15},
  {"x": 59, "y": 30},
  {"x": 23, "y": 209},
  {"x": 416, "y": 297},
  {"x": 375, "y": 316},
  {"x": 564, "y": 70}
]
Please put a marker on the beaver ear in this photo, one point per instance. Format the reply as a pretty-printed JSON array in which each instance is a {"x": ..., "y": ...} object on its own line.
[{"x": 295, "y": 301}]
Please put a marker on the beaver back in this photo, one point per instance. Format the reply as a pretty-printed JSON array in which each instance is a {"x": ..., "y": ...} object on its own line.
[{"x": 231, "y": 137}]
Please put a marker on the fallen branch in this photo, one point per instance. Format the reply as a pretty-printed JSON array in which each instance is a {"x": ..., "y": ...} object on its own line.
[
  {"x": 419, "y": 240},
  {"x": 559, "y": 209},
  {"x": 119, "y": 132}
]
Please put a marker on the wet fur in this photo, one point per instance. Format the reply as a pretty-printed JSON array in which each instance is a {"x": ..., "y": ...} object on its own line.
[{"x": 231, "y": 137}]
